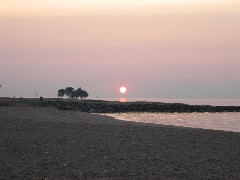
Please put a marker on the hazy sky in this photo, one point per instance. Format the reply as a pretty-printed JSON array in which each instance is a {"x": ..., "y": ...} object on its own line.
[{"x": 156, "y": 48}]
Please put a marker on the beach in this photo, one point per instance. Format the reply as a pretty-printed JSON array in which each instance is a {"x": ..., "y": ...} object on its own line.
[{"x": 48, "y": 143}]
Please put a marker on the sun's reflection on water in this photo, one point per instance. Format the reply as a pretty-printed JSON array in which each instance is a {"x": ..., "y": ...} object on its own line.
[{"x": 122, "y": 100}]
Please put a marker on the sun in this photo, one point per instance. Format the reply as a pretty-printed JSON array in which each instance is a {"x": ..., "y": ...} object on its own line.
[{"x": 123, "y": 90}]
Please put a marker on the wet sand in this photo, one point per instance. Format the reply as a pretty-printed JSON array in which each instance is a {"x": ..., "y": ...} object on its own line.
[{"x": 47, "y": 143}]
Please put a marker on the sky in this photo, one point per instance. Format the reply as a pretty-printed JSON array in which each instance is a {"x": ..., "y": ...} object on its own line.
[{"x": 156, "y": 48}]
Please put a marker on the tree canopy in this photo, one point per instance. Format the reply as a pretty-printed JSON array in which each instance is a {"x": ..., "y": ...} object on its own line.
[
  {"x": 61, "y": 93},
  {"x": 73, "y": 94},
  {"x": 69, "y": 91}
]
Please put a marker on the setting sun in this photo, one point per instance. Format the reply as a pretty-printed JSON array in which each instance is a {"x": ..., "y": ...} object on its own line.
[{"x": 123, "y": 90}]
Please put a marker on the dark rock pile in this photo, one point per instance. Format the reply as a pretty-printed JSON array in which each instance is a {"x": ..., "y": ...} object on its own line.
[
  {"x": 111, "y": 107},
  {"x": 98, "y": 106}
]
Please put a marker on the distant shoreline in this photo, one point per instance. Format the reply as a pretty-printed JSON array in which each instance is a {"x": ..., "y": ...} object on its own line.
[
  {"x": 101, "y": 106},
  {"x": 189, "y": 101}
]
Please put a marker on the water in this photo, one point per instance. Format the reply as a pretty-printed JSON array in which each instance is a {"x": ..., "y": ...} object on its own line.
[
  {"x": 213, "y": 102},
  {"x": 215, "y": 121}
]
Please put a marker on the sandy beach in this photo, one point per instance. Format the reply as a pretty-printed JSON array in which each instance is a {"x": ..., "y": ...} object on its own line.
[{"x": 47, "y": 143}]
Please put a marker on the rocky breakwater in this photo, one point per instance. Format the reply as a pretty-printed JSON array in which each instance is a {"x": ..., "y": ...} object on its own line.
[
  {"x": 118, "y": 107},
  {"x": 98, "y": 106}
]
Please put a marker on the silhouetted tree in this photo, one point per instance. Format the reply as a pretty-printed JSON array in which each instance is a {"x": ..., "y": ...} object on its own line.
[
  {"x": 74, "y": 94},
  {"x": 61, "y": 93},
  {"x": 85, "y": 94},
  {"x": 69, "y": 92},
  {"x": 78, "y": 92}
]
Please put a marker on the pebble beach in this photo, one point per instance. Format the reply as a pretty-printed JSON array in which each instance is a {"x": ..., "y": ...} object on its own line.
[{"x": 48, "y": 143}]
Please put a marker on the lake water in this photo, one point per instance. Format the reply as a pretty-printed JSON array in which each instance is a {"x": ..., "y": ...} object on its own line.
[
  {"x": 213, "y": 102},
  {"x": 216, "y": 121}
]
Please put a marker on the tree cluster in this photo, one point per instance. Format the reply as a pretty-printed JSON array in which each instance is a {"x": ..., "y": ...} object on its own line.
[{"x": 73, "y": 94}]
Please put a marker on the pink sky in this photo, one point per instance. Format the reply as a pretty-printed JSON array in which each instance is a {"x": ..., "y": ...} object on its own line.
[{"x": 157, "y": 49}]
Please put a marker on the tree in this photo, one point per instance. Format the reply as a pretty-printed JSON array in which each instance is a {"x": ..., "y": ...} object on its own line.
[
  {"x": 74, "y": 95},
  {"x": 69, "y": 92},
  {"x": 78, "y": 92},
  {"x": 85, "y": 94},
  {"x": 61, "y": 93}
]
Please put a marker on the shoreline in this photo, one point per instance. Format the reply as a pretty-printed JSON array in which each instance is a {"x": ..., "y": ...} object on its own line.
[
  {"x": 44, "y": 142},
  {"x": 100, "y": 106}
]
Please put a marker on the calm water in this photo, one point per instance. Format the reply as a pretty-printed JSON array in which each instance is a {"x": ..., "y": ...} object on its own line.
[
  {"x": 213, "y": 102},
  {"x": 216, "y": 121}
]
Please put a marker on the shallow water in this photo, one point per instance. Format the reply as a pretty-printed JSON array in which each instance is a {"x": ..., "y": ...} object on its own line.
[{"x": 216, "y": 121}]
